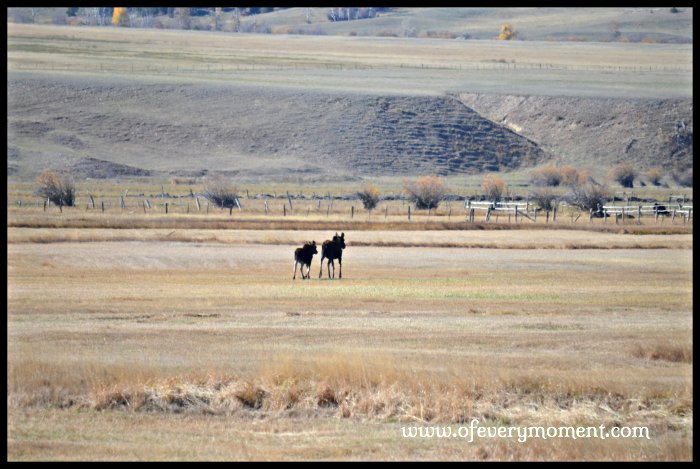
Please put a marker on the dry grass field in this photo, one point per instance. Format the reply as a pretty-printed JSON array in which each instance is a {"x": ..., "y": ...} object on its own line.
[{"x": 153, "y": 349}]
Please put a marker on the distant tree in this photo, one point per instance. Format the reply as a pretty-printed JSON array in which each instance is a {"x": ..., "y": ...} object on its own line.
[
  {"x": 494, "y": 187},
  {"x": 624, "y": 173},
  {"x": 183, "y": 18},
  {"x": 426, "y": 191},
  {"x": 120, "y": 17},
  {"x": 369, "y": 195},
  {"x": 72, "y": 11},
  {"x": 508, "y": 32},
  {"x": 57, "y": 187}
]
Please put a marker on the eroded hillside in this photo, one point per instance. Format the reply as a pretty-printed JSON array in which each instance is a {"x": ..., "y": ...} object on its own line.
[{"x": 101, "y": 128}]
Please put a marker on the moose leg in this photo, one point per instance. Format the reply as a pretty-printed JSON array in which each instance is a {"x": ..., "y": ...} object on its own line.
[
  {"x": 308, "y": 271},
  {"x": 295, "y": 270},
  {"x": 340, "y": 266},
  {"x": 320, "y": 273}
]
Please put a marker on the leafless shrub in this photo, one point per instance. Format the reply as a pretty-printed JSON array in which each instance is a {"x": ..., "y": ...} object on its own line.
[
  {"x": 548, "y": 175},
  {"x": 220, "y": 192},
  {"x": 571, "y": 176},
  {"x": 544, "y": 198},
  {"x": 426, "y": 191},
  {"x": 684, "y": 178},
  {"x": 494, "y": 187},
  {"x": 655, "y": 175},
  {"x": 188, "y": 181},
  {"x": 369, "y": 195},
  {"x": 588, "y": 196},
  {"x": 57, "y": 187},
  {"x": 624, "y": 173}
]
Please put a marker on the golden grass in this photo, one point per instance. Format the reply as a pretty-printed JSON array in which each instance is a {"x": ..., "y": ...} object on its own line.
[{"x": 158, "y": 332}]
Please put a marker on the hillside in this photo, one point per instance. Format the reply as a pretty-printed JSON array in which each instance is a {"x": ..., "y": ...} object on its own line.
[
  {"x": 248, "y": 131},
  {"x": 589, "y": 132}
]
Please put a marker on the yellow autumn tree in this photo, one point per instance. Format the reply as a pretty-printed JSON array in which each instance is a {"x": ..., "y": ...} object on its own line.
[
  {"x": 507, "y": 32},
  {"x": 120, "y": 17}
]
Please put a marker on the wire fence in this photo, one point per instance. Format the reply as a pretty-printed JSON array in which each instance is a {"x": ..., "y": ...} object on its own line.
[{"x": 229, "y": 68}]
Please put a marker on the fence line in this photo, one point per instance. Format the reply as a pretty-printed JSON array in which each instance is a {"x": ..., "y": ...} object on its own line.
[{"x": 221, "y": 68}]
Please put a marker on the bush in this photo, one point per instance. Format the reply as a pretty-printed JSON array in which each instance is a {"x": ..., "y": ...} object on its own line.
[
  {"x": 624, "y": 174},
  {"x": 59, "y": 188},
  {"x": 369, "y": 195},
  {"x": 494, "y": 187},
  {"x": 220, "y": 192},
  {"x": 426, "y": 191},
  {"x": 654, "y": 175},
  {"x": 588, "y": 196},
  {"x": 548, "y": 175},
  {"x": 684, "y": 178},
  {"x": 544, "y": 198},
  {"x": 570, "y": 176},
  {"x": 508, "y": 32}
]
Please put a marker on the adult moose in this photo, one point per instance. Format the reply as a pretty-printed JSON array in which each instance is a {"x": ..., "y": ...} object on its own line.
[
  {"x": 333, "y": 249},
  {"x": 303, "y": 256}
]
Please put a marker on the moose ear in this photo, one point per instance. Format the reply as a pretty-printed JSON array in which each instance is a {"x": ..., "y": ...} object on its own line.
[
  {"x": 342, "y": 235},
  {"x": 313, "y": 242},
  {"x": 336, "y": 233}
]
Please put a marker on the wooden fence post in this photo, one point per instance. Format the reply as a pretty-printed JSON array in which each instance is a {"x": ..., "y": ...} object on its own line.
[
  {"x": 409, "y": 213},
  {"x": 197, "y": 201},
  {"x": 103, "y": 206},
  {"x": 352, "y": 212},
  {"x": 639, "y": 215},
  {"x": 144, "y": 206},
  {"x": 590, "y": 215},
  {"x": 546, "y": 216},
  {"x": 284, "y": 210},
  {"x": 554, "y": 215},
  {"x": 266, "y": 207}
]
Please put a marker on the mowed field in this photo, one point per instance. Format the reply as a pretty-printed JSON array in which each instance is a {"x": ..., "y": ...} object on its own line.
[{"x": 182, "y": 350}]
